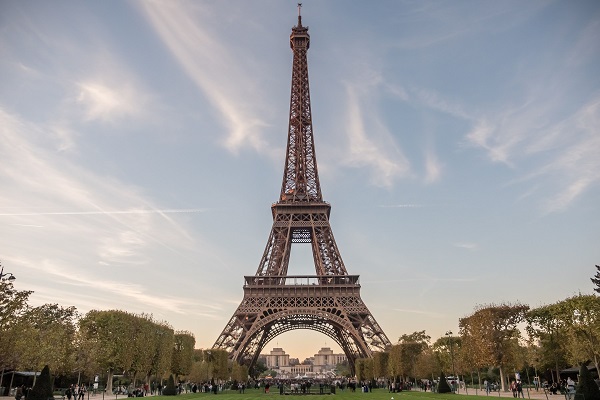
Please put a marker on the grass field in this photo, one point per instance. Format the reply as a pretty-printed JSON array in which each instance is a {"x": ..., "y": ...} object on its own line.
[{"x": 377, "y": 394}]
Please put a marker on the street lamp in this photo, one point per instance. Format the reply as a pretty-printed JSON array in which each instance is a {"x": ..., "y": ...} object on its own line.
[
  {"x": 10, "y": 278},
  {"x": 450, "y": 341}
]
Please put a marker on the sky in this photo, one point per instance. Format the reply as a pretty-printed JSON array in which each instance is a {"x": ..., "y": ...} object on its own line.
[{"x": 142, "y": 144}]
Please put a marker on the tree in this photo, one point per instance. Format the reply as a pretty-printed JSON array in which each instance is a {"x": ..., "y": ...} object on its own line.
[
  {"x": 42, "y": 390},
  {"x": 220, "y": 364},
  {"x": 13, "y": 305},
  {"x": 412, "y": 346},
  {"x": 427, "y": 365},
  {"x": 395, "y": 362},
  {"x": 343, "y": 369},
  {"x": 380, "y": 364},
  {"x": 443, "y": 386},
  {"x": 106, "y": 336},
  {"x": 183, "y": 353},
  {"x": 364, "y": 369},
  {"x": 581, "y": 314},
  {"x": 596, "y": 279},
  {"x": 586, "y": 385},
  {"x": 47, "y": 338},
  {"x": 162, "y": 350},
  {"x": 493, "y": 334},
  {"x": 546, "y": 326},
  {"x": 170, "y": 389}
]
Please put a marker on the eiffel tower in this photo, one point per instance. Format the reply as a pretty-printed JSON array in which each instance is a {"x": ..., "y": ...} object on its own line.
[{"x": 275, "y": 302}]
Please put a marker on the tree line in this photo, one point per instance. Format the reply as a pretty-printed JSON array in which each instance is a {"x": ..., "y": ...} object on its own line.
[
  {"x": 504, "y": 337},
  {"x": 101, "y": 343}
]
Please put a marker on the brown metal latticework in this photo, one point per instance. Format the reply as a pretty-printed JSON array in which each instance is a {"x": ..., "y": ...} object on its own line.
[{"x": 328, "y": 302}]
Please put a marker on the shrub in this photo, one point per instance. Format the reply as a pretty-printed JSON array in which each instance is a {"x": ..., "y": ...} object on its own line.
[
  {"x": 443, "y": 386},
  {"x": 170, "y": 389},
  {"x": 42, "y": 390},
  {"x": 586, "y": 385}
]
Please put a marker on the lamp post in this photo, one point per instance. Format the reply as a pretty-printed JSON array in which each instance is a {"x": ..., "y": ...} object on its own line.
[
  {"x": 450, "y": 342},
  {"x": 10, "y": 278}
]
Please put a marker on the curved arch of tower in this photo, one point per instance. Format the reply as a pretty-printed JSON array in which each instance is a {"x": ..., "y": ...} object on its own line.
[{"x": 275, "y": 302}]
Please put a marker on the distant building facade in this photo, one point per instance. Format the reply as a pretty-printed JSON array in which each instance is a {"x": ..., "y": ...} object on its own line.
[{"x": 323, "y": 363}]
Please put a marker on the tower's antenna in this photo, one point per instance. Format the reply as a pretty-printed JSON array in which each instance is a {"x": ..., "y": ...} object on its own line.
[{"x": 299, "y": 16}]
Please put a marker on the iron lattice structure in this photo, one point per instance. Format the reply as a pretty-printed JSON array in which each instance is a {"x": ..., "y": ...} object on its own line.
[{"x": 328, "y": 302}]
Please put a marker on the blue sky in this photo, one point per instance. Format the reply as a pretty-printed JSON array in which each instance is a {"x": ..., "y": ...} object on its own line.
[{"x": 142, "y": 144}]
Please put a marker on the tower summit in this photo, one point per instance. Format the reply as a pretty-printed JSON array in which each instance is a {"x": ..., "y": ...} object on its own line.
[{"x": 275, "y": 302}]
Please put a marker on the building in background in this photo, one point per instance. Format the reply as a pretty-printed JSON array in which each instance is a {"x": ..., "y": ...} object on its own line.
[{"x": 322, "y": 364}]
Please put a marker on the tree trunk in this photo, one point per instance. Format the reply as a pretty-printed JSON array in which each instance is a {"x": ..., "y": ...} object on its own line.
[
  {"x": 109, "y": 380},
  {"x": 502, "y": 383}
]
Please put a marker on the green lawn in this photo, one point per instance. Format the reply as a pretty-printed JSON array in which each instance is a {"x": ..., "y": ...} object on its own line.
[{"x": 377, "y": 394}]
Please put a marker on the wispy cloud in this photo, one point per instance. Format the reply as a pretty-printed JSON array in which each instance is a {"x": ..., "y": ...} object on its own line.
[
  {"x": 106, "y": 212},
  {"x": 375, "y": 150},
  {"x": 41, "y": 180},
  {"x": 467, "y": 245},
  {"x": 419, "y": 312},
  {"x": 189, "y": 34}
]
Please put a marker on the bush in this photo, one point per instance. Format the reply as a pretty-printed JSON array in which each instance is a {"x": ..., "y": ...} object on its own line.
[
  {"x": 170, "y": 389},
  {"x": 42, "y": 390},
  {"x": 586, "y": 385},
  {"x": 443, "y": 386}
]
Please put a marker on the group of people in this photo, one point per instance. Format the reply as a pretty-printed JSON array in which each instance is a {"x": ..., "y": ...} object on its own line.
[
  {"x": 567, "y": 386},
  {"x": 77, "y": 392},
  {"x": 516, "y": 387}
]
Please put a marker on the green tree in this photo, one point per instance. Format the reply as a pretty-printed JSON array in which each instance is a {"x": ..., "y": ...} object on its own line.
[
  {"x": 581, "y": 314},
  {"x": 412, "y": 346},
  {"x": 220, "y": 364},
  {"x": 343, "y": 369},
  {"x": 395, "y": 368},
  {"x": 380, "y": 364},
  {"x": 586, "y": 385},
  {"x": 170, "y": 389},
  {"x": 549, "y": 331},
  {"x": 494, "y": 333},
  {"x": 42, "y": 390},
  {"x": 106, "y": 339},
  {"x": 162, "y": 350},
  {"x": 47, "y": 338},
  {"x": 13, "y": 305},
  {"x": 443, "y": 386},
  {"x": 427, "y": 365},
  {"x": 144, "y": 333},
  {"x": 183, "y": 353}
]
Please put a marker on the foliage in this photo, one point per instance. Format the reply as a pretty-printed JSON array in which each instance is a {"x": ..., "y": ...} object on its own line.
[
  {"x": 258, "y": 368},
  {"x": 13, "y": 305},
  {"x": 411, "y": 348},
  {"x": 161, "y": 343},
  {"x": 586, "y": 385},
  {"x": 395, "y": 362},
  {"x": 427, "y": 364},
  {"x": 42, "y": 390},
  {"x": 359, "y": 368},
  {"x": 343, "y": 368},
  {"x": 239, "y": 373},
  {"x": 183, "y": 353},
  {"x": 106, "y": 338},
  {"x": 47, "y": 338},
  {"x": 443, "y": 386},
  {"x": 170, "y": 389},
  {"x": 220, "y": 364},
  {"x": 490, "y": 335},
  {"x": 596, "y": 279},
  {"x": 380, "y": 364},
  {"x": 568, "y": 332}
]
